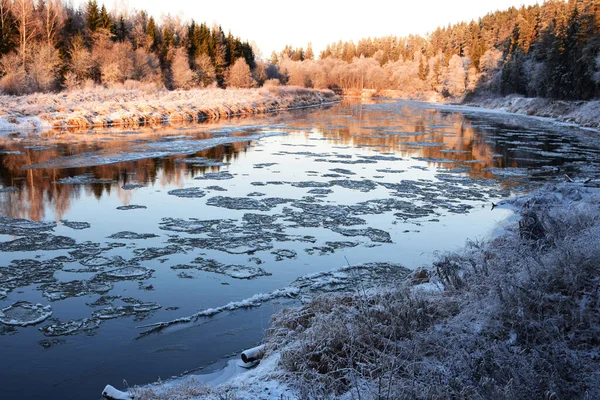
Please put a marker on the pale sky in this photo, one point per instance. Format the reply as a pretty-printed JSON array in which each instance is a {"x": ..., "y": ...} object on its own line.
[{"x": 273, "y": 24}]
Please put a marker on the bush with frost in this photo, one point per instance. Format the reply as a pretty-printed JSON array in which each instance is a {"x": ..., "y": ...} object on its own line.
[
  {"x": 13, "y": 79},
  {"x": 517, "y": 318},
  {"x": 239, "y": 75}
]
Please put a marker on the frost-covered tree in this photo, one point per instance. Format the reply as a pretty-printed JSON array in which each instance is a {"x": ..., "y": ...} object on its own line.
[
  {"x": 205, "y": 71},
  {"x": 183, "y": 76},
  {"x": 454, "y": 82},
  {"x": 13, "y": 74},
  {"x": 44, "y": 68},
  {"x": 239, "y": 75}
]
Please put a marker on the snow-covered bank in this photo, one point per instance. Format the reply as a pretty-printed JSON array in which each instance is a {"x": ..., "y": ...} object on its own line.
[
  {"x": 132, "y": 108},
  {"x": 582, "y": 113},
  {"x": 511, "y": 317}
]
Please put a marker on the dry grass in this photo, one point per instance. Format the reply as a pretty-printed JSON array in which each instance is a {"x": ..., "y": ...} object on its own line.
[
  {"x": 131, "y": 108},
  {"x": 518, "y": 319}
]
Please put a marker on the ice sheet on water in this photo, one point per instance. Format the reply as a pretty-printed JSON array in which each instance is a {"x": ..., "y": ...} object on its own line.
[
  {"x": 236, "y": 271},
  {"x": 82, "y": 180},
  {"x": 128, "y": 235},
  {"x": 131, "y": 207},
  {"x": 216, "y": 176},
  {"x": 23, "y": 227},
  {"x": 202, "y": 162},
  {"x": 132, "y": 186},
  {"x": 188, "y": 193},
  {"x": 144, "y": 151},
  {"x": 509, "y": 172},
  {"x": 23, "y": 313},
  {"x": 38, "y": 242},
  {"x": 338, "y": 279},
  {"x": 75, "y": 225},
  {"x": 129, "y": 272}
]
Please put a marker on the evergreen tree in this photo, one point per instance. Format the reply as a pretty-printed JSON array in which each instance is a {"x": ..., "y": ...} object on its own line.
[
  {"x": 93, "y": 20},
  {"x": 105, "y": 20}
]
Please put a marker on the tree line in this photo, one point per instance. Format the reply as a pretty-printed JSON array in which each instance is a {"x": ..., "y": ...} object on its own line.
[
  {"x": 549, "y": 50},
  {"x": 49, "y": 45}
]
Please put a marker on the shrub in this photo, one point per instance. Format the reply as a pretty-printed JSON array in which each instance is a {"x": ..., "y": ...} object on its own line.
[{"x": 13, "y": 79}]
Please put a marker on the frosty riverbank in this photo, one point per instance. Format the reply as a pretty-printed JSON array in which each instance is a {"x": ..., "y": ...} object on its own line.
[
  {"x": 511, "y": 316},
  {"x": 582, "y": 113},
  {"x": 133, "y": 108}
]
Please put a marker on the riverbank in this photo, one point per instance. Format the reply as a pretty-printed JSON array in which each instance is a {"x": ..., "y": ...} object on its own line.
[
  {"x": 133, "y": 108},
  {"x": 512, "y": 316},
  {"x": 582, "y": 113}
]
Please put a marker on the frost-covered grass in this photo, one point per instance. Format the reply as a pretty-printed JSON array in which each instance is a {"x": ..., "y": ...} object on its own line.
[
  {"x": 108, "y": 107},
  {"x": 518, "y": 318},
  {"x": 584, "y": 113}
]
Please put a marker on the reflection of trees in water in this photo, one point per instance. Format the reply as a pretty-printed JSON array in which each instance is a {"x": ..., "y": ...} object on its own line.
[
  {"x": 36, "y": 190},
  {"x": 366, "y": 128}
]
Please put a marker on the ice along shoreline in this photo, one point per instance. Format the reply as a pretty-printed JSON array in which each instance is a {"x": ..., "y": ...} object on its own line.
[
  {"x": 134, "y": 108},
  {"x": 463, "y": 299}
]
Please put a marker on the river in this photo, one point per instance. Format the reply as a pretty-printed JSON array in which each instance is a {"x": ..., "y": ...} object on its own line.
[{"x": 106, "y": 233}]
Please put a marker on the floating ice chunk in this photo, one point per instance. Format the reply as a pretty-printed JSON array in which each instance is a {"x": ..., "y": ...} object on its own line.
[
  {"x": 132, "y": 235},
  {"x": 250, "y": 302},
  {"x": 81, "y": 180},
  {"x": 75, "y": 225},
  {"x": 23, "y": 227},
  {"x": 23, "y": 313},
  {"x": 131, "y": 272},
  {"x": 111, "y": 393},
  {"x": 131, "y": 186},
  {"x": 217, "y": 176},
  {"x": 508, "y": 172},
  {"x": 131, "y": 207},
  {"x": 190, "y": 193}
]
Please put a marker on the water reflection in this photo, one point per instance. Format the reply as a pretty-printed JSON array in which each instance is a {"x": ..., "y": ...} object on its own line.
[
  {"x": 444, "y": 139},
  {"x": 365, "y": 182}
]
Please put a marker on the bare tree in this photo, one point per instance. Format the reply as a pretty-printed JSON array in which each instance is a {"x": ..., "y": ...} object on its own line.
[
  {"x": 53, "y": 19},
  {"x": 23, "y": 11}
]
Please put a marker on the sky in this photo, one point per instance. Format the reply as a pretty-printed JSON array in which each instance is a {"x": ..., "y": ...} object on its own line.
[{"x": 273, "y": 24}]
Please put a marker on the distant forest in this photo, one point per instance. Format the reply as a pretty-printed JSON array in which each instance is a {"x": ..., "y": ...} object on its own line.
[
  {"x": 549, "y": 50},
  {"x": 49, "y": 45}
]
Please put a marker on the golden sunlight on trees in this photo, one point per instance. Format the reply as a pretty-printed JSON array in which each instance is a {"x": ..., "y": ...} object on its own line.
[{"x": 239, "y": 75}]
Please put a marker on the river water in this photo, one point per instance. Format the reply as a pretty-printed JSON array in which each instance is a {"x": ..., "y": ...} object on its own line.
[{"x": 210, "y": 228}]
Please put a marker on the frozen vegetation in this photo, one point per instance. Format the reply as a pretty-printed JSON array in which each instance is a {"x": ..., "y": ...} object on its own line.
[
  {"x": 514, "y": 316},
  {"x": 132, "y": 108},
  {"x": 584, "y": 113}
]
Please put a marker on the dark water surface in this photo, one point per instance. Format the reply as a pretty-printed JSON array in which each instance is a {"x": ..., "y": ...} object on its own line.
[{"x": 113, "y": 231}]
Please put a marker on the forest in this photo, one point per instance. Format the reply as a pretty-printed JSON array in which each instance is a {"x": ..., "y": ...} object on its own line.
[
  {"x": 550, "y": 50},
  {"x": 49, "y": 45}
]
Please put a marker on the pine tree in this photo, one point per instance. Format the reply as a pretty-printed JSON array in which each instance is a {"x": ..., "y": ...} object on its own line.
[
  {"x": 93, "y": 20},
  {"x": 105, "y": 20},
  {"x": 152, "y": 35}
]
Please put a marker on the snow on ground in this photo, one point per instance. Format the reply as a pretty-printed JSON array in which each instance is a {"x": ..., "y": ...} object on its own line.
[
  {"x": 106, "y": 107},
  {"x": 582, "y": 113}
]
